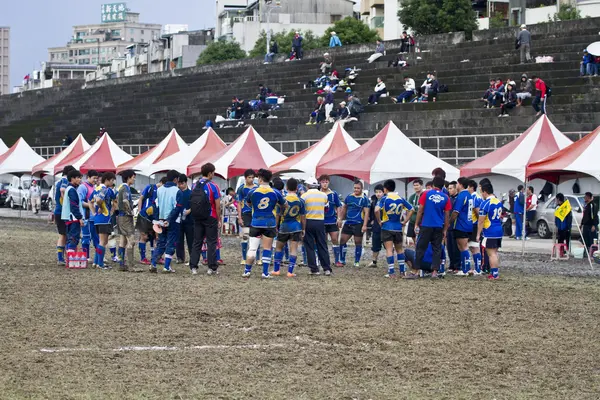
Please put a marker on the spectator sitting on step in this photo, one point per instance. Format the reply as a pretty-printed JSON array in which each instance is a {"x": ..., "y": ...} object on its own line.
[
  {"x": 588, "y": 65},
  {"x": 379, "y": 90},
  {"x": 355, "y": 106},
  {"x": 272, "y": 52},
  {"x": 433, "y": 90},
  {"x": 379, "y": 52},
  {"x": 422, "y": 90},
  {"x": 343, "y": 112},
  {"x": 526, "y": 90},
  {"x": 495, "y": 94},
  {"x": 488, "y": 92},
  {"x": 318, "y": 114},
  {"x": 329, "y": 102},
  {"x": 244, "y": 109},
  {"x": 293, "y": 56},
  {"x": 326, "y": 64},
  {"x": 263, "y": 92},
  {"x": 100, "y": 133},
  {"x": 510, "y": 100},
  {"x": 404, "y": 39},
  {"x": 409, "y": 91},
  {"x": 398, "y": 62},
  {"x": 334, "y": 79},
  {"x": 231, "y": 111}
]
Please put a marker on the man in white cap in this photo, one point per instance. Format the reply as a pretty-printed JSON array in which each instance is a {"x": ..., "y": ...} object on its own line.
[
  {"x": 315, "y": 202},
  {"x": 524, "y": 43}
]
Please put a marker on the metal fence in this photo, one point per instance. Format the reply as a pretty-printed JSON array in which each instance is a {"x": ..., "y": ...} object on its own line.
[{"x": 455, "y": 150}]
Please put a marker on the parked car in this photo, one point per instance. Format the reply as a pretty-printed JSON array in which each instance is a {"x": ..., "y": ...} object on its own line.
[
  {"x": 3, "y": 194},
  {"x": 545, "y": 215}
]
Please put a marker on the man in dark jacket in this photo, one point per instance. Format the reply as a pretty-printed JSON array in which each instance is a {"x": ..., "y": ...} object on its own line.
[
  {"x": 433, "y": 90},
  {"x": 589, "y": 222},
  {"x": 297, "y": 45},
  {"x": 273, "y": 50}
]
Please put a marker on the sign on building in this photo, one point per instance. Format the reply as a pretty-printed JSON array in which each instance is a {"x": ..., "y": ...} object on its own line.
[{"x": 114, "y": 12}]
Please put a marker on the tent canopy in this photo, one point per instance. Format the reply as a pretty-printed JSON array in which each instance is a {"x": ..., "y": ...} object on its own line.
[
  {"x": 3, "y": 147},
  {"x": 335, "y": 144},
  {"x": 198, "y": 152},
  {"x": 388, "y": 155},
  {"x": 76, "y": 148},
  {"x": 143, "y": 163},
  {"x": 249, "y": 150},
  {"x": 580, "y": 158},
  {"x": 19, "y": 159},
  {"x": 103, "y": 156},
  {"x": 540, "y": 140}
]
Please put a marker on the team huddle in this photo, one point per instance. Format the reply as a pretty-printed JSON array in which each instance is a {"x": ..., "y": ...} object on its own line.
[{"x": 278, "y": 217}]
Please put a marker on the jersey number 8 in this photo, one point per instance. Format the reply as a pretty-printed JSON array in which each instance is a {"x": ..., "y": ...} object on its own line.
[{"x": 263, "y": 203}]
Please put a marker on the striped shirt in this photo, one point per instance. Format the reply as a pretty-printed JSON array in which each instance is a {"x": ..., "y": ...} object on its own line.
[{"x": 315, "y": 202}]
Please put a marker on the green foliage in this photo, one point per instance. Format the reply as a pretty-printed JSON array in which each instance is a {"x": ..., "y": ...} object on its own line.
[
  {"x": 567, "y": 12},
  {"x": 350, "y": 31},
  {"x": 427, "y": 17},
  {"x": 284, "y": 42},
  {"x": 497, "y": 20},
  {"x": 219, "y": 51}
]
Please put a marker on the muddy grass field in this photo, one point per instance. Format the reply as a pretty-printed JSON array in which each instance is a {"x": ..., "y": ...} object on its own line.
[{"x": 92, "y": 334}]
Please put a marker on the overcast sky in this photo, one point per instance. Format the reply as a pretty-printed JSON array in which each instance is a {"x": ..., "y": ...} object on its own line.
[{"x": 36, "y": 25}]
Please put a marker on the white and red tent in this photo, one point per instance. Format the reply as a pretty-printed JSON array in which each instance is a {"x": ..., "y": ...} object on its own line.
[
  {"x": 75, "y": 149},
  {"x": 203, "y": 149},
  {"x": 580, "y": 158},
  {"x": 335, "y": 144},
  {"x": 249, "y": 150},
  {"x": 388, "y": 155},
  {"x": 143, "y": 163},
  {"x": 540, "y": 140},
  {"x": 19, "y": 159},
  {"x": 103, "y": 156}
]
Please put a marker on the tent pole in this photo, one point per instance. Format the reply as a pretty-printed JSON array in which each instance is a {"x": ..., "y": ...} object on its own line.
[
  {"x": 581, "y": 235},
  {"x": 524, "y": 227}
]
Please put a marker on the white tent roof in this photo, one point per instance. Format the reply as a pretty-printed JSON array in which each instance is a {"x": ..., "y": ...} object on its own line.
[
  {"x": 77, "y": 147},
  {"x": 336, "y": 143},
  {"x": 143, "y": 163},
  {"x": 3, "y": 147},
  {"x": 203, "y": 148},
  {"x": 103, "y": 156},
  {"x": 19, "y": 159},
  {"x": 388, "y": 155}
]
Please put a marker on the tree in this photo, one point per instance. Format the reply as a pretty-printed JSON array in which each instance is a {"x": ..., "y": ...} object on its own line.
[
  {"x": 497, "y": 20},
  {"x": 567, "y": 12},
  {"x": 350, "y": 31},
  {"x": 284, "y": 42},
  {"x": 219, "y": 51},
  {"x": 427, "y": 17}
]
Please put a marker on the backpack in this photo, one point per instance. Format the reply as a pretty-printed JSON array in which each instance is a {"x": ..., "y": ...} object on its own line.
[
  {"x": 548, "y": 91},
  {"x": 443, "y": 89},
  {"x": 199, "y": 202}
]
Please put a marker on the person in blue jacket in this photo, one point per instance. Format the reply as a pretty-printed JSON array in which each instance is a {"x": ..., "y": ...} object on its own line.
[
  {"x": 72, "y": 211},
  {"x": 169, "y": 213},
  {"x": 335, "y": 40},
  {"x": 186, "y": 233},
  {"x": 587, "y": 66}
]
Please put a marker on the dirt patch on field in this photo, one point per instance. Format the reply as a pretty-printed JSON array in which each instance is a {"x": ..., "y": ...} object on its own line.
[{"x": 106, "y": 334}]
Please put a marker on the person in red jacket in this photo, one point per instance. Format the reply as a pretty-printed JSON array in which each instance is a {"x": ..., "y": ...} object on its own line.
[{"x": 539, "y": 103}]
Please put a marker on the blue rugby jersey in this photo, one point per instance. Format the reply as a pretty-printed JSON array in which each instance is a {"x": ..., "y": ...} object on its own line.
[
  {"x": 491, "y": 208},
  {"x": 464, "y": 207},
  {"x": 292, "y": 215},
  {"x": 242, "y": 194},
  {"x": 264, "y": 200},
  {"x": 333, "y": 202},
  {"x": 392, "y": 206},
  {"x": 355, "y": 206}
]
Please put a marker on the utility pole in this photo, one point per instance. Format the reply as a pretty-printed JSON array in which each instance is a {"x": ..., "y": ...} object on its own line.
[{"x": 270, "y": 6}]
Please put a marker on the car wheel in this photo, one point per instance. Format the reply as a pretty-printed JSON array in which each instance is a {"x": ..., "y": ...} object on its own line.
[
  {"x": 11, "y": 203},
  {"x": 543, "y": 230},
  {"x": 24, "y": 205}
]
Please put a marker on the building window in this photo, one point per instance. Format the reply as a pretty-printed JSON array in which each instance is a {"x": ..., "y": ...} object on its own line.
[
  {"x": 142, "y": 31},
  {"x": 94, "y": 61},
  {"x": 115, "y": 33},
  {"x": 335, "y": 18}
]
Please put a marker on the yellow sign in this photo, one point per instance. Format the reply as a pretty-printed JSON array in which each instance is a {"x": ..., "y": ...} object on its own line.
[{"x": 563, "y": 210}]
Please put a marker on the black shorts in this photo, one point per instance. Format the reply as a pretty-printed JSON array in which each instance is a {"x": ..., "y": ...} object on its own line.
[
  {"x": 391, "y": 236},
  {"x": 266, "y": 232},
  {"x": 490, "y": 243},
  {"x": 461, "y": 234},
  {"x": 289, "y": 237},
  {"x": 105, "y": 229},
  {"x": 376, "y": 241},
  {"x": 331, "y": 228},
  {"x": 352, "y": 230},
  {"x": 410, "y": 230},
  {"x": 473, "y": 237},
  {"x": 247, "y": 220},
  {"x": 61, "y": 227},
  {"x": 143, "y": 225}
]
